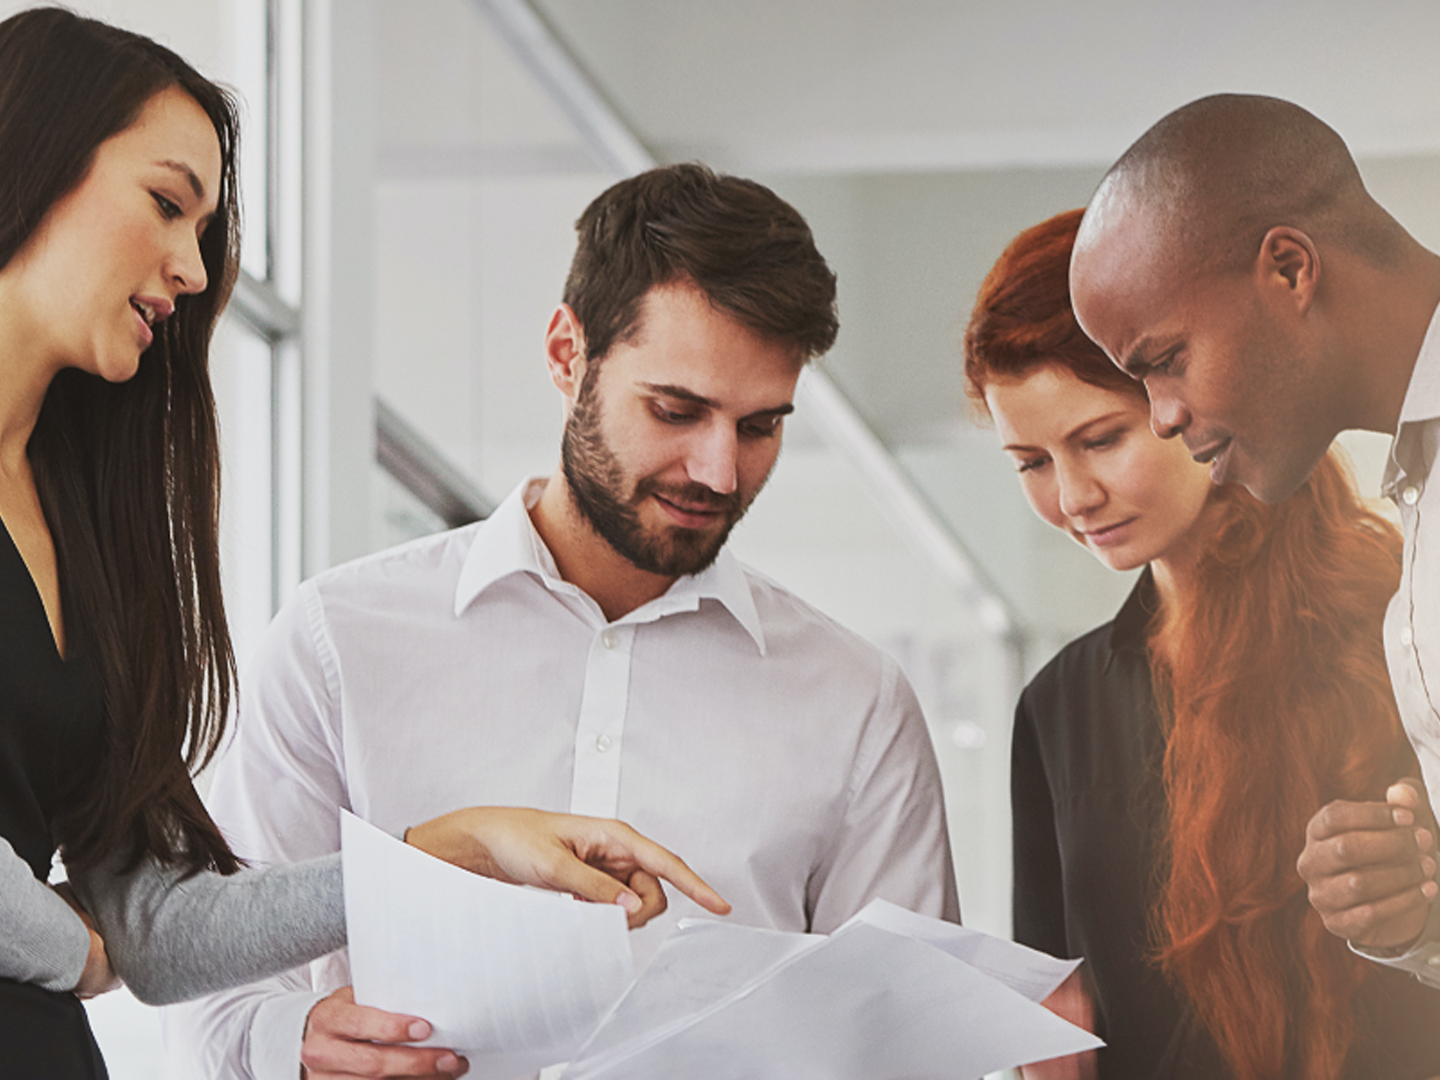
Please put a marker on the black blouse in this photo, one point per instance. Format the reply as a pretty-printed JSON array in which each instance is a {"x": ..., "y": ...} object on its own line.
[
  {"x": 51, "y": 731},
  {"x": 1088, "y": 808}
]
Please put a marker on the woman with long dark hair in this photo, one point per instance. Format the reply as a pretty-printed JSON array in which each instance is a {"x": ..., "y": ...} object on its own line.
[
  {"x": 118, "y": 250},
  {"x": 1164, "y": 766}
]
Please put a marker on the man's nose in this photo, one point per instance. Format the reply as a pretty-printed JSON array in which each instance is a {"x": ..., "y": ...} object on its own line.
[
  {"x": 1168, "y": 417},
  {"x": 713, "y": 459}
]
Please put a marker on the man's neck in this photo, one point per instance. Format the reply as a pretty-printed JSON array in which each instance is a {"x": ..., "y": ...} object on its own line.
[
  {"x": 586, "y": 560},
  {"x": 1393, "y": 310}
]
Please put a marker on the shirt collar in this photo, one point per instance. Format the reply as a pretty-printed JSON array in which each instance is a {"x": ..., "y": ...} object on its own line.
[
  {"x": 1130, "y": 629},
  {"x": 1422, "y": 396},
  {"x": 508, "y": 544},
  {"x": 1422, "y": 403}
]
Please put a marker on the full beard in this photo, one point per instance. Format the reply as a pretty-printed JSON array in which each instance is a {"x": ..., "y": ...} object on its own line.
[{"x": 596, "y": 482}]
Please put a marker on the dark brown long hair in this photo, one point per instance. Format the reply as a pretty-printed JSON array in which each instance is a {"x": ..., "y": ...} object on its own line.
[
  {"x": 1276, "y": 700},
  {"x": 128, "y": 473}
]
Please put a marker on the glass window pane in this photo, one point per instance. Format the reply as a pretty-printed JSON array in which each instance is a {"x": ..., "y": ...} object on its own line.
[{"x": 241, "y": 369}]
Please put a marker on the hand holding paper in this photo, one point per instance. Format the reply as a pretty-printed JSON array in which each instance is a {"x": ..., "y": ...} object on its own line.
[
  {"x": 344, "y": 1040},
  {"x": 511, "y": 978}
]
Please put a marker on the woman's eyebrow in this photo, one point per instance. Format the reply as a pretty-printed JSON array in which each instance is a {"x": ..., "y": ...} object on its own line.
[{"x": 189, "y": 174}]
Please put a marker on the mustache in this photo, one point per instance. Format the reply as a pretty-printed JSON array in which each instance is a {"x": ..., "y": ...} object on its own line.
[{"x": 688, "y": 495}]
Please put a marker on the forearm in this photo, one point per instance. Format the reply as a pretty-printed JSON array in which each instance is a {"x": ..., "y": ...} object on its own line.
[
  {"x": 172, "y": 939},
  {"x": 44, "y": 942}
]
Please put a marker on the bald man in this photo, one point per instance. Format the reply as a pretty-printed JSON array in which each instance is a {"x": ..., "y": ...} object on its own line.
[{"x": 1233, "y": 261}]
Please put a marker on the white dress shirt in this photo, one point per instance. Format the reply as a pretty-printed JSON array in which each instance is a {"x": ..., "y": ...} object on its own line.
[
  {"x": 784, "y": 758},
  {"x": 1412, "y": 622}
]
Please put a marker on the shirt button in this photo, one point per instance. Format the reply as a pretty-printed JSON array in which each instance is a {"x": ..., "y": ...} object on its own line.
[
  {"x": 608, "y": 639},
  {"x": 1407, "y": 637},
  {"x": 1411, "y": 495},
  {"x": 602, "y": 743}
]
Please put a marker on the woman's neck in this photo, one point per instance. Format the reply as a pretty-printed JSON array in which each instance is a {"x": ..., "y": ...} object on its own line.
[
  {"x": 25, "y": 376},
  {"x": 1175, "y": 568}
]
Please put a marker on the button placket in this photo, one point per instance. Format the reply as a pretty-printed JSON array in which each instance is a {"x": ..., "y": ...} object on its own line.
[{"x": 595, "y": 788}]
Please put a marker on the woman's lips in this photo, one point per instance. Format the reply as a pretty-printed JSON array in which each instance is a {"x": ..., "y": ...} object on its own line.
[
  {"x": 146, "y": 335},
  {"x": 1106, "y": 535}
]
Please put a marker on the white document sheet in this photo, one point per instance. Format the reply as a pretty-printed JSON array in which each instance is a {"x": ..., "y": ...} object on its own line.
[
  {"x": 1029, "y": 972},
  {"x": 866, "y": 1003},
  {"x": 512, "y": 978}
]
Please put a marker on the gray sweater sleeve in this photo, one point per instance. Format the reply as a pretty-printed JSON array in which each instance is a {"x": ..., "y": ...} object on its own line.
[
  {"x": 42, "y": 941},
  {"x": 172, "y": 939}
]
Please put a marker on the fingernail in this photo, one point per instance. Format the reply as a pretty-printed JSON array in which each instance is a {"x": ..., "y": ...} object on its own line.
[
  {"x": 1423, "y": 839},
  {"x": 1429, "y": 889},
  {"x": 629, "y": 901},
  {"x": 1427, "y": 866},
  {"x": 1403, "y": 816},
  {"x": 449, "y": 1063},
  {"x": 418, "y": 1030}
]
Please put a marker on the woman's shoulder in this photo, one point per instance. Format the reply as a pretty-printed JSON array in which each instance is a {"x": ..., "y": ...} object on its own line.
[
  {"x": 1081, "y": 660},
  {"x": 1097, "y": 687}
]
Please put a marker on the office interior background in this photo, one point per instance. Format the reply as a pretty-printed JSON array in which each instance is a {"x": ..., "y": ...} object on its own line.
[{"x": 412, "y": 170}]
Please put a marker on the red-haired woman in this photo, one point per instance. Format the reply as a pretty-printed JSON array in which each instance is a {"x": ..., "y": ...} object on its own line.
[{"x": 1164, "y": 766}]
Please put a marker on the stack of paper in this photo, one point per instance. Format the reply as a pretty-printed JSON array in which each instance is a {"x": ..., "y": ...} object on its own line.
[
  {"x": 515, "y": 979},
  {"x": 889, "y": 994}
]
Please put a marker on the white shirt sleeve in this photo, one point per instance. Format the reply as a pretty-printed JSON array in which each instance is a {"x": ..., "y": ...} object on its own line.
[
  {"x": 894, "y": 843},
  {"x": 276, "y": 795},
  {"x": 1422, "y": 959}
]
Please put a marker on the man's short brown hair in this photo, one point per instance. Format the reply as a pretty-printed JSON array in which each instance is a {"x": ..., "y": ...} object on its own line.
[{"x": 748, "y": 250}]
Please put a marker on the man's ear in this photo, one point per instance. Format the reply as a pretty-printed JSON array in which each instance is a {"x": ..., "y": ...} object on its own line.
[
  {"x": 1288, "y": 264},
  {"x": 565, "y": 351}
]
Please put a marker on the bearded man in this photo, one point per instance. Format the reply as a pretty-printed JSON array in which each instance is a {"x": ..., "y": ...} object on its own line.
[{"x": 592, "y": 647}]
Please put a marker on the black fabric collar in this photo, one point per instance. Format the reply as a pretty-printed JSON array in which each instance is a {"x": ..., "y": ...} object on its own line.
[{"x": 1129, "y": 631}]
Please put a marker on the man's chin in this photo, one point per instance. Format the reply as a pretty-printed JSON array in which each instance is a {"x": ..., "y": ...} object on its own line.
[
  {"x": 686, "y": 552},
  {"x": 1272, "y": 486}
]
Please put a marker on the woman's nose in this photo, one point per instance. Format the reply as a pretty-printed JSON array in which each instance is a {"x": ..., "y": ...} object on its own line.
[{"x": 1080, "y": 492}]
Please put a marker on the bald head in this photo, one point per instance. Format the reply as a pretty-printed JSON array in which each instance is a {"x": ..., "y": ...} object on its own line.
[{"x": 1213, "y": 177}]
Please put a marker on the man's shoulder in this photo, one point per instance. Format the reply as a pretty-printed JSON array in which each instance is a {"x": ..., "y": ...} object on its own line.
[
  {"x": 426, "y": 565},
  {"x": 790, "y": 621}
]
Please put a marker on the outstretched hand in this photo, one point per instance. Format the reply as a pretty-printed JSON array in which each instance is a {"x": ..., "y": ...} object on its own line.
[
  {"x": 1371, "y": 867},
  {"x": 592, "y": 858}
]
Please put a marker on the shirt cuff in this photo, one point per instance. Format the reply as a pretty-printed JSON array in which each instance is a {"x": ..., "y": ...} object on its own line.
[
  {"x": 1422, "y": 959},
  {"x": 277, "y": 1031}
]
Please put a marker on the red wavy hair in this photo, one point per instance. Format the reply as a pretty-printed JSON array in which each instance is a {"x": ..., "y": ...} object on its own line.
[{"x": 1271, "y": 678}]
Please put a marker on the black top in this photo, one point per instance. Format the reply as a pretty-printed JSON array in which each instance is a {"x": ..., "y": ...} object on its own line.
[
  {"x": 1088, "y": 808},
  {"x": 51, "y": 730}
]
